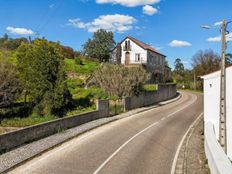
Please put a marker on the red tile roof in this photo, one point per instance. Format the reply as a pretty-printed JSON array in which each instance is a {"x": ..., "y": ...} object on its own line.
[{"x": 144, "y": 46}]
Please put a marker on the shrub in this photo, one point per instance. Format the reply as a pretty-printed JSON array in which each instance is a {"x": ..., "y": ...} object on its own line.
[
  {"x": 120, "y": 81},
  {"x": 78, "y": 61},
  {"x": 9, "y": 84}
]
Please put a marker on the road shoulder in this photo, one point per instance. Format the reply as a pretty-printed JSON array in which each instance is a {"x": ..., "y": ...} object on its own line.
[{"x": 191, "y": 158}]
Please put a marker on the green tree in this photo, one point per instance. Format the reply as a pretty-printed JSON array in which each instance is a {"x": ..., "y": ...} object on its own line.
[
  {"x": 9, "y": 84},
  {"x": 179, "y": 66},
  {"x": 119, "y": 81},
  {"x": 41, "y": 70},
  {"x": 100, "y": 45}
]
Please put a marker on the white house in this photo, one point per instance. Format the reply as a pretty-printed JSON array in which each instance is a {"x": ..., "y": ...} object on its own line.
[
  {"x": 212, "y": 104},
  {"x": 132, "y": 52}
]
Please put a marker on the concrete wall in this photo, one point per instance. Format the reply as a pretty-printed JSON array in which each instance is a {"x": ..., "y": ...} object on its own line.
[
  {"x": 217, "y": 159},
  {"x": 211, "y": 104},
  {"x": 163, "y": 93},
  {"x": 22, "y": 136}
]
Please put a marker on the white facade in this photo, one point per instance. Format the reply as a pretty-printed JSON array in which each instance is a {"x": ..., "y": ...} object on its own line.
[
  {"x": 134, "y": 52},
  {"x": 135, "y": 49},
  {"x": 212, "y": 101}
]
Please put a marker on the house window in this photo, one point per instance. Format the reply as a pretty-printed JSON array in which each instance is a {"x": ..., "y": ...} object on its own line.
[{"x": 137, "y": 57}]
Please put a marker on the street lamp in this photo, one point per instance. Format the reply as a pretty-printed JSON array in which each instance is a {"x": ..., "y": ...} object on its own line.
[{"x": 222, "y": 126}]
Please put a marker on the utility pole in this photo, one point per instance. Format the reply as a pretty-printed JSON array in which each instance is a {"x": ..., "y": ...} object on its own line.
[
  {"x": 222, "y": 121},
  {"x": 194, "y": 78}
]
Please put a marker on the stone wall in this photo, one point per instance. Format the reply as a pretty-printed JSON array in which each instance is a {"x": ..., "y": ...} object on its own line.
[
  {"x": 164, "y": 92},
  {"x": 16, "y": 138},
  {"x": 28, "y": 134}
]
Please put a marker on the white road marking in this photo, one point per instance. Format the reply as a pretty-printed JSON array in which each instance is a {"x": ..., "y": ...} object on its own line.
[
  {"x": 136, "y": 135},
  {"x": 81, "y": 138},
  {"x": 180, "y": 145}
]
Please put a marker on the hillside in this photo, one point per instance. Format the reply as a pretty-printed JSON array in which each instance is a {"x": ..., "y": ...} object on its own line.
[{"x": 83, "y": 99}]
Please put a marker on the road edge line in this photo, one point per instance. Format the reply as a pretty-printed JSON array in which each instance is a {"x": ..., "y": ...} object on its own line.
[
  {"x": 143, "y": 109},
  {"x": 181, "y": 143},
  {"x": 137, "y": 134}
]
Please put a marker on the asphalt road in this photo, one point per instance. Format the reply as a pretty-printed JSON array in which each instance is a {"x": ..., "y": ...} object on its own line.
[{"x": 145, "y": 143}]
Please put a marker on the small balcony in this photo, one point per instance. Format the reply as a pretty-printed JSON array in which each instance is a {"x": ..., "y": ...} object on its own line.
[{"x": 127, "y": 48}]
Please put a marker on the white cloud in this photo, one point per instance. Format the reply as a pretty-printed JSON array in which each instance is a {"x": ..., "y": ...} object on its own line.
[
  {"x": 51, "y": 6},
  {"x": 20, "y": 31},
  {"x": 214, "y": 39},
  {"x": 179, "y": 43},
  {"x": 218, "y": 38},
  {"x": 116, "y": 23},
  {"x": 149, "y": 10},
  {"x": 129, "y": 3},
  {"x": 218, "y": 23},
  {"x": 77, "y": 23}
]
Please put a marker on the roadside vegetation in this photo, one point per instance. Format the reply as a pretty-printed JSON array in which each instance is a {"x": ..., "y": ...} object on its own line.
[
  {"x": 150, "y": 87},
  {"x": 203, "y": 62},
  {"x": 42, "y": 80}
]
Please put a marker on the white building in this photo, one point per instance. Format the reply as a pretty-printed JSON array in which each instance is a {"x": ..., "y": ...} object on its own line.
[
  {"x": 212, "y": 101},
  {"x": 132, "y": 52}
]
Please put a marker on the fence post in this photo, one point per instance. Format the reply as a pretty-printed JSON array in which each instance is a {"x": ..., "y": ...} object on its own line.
[
  {"x": 126, "y": 103},
  {"x": 103, "y": 108}
]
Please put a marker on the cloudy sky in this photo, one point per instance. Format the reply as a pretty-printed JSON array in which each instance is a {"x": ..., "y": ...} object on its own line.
[{"x": 171, "y": 26}]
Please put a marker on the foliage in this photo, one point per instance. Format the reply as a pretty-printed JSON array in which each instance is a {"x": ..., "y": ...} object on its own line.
[
  {"x": 179, "y": 71},
  {"x": 91, "y": 93},
  {"x": 9, "y": 84},
  {"x": 11, "y": 44},
  {"x": 16, "y": 110},
  {"x": 205, "y": 62},
  {"x": 42, "y": 72},
  {"x": 120, "y": 81},
  {"x": 179, "y": 66},
  {"x": 78, "y": 61},
  {"x": 27, "y": 121},
  {"x": 167, "y": 72},
  {"x": 68, "y": 52},
  {"x": 150, "y": 87},
  {"x": 100, "y": 45},
  {"x": 88, "y": 66}
]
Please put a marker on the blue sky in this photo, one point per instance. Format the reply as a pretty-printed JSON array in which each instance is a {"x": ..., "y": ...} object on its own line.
[{"x": 171, "y": 26}]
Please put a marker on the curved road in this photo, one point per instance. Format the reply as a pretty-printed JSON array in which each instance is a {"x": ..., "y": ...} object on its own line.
[{"x": 145, "y": 143}]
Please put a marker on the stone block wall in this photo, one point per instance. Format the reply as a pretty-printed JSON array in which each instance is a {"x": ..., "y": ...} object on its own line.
[
  {"x": 164, "y": 92},
  {"x": 28, "y": 134}
]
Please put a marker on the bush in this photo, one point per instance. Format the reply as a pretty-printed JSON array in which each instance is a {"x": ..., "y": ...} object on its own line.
[
  {"x": 78, "y": 61},
  {"x": 120, "y": 81},
  {"x": 150, "y": 87},
  {"x": 9, "y": 84}
]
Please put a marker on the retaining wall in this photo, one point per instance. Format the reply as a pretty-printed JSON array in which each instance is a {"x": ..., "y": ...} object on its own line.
[
  {"x": 164, "y": 92},
  {"x": 28, "y": 134}
]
